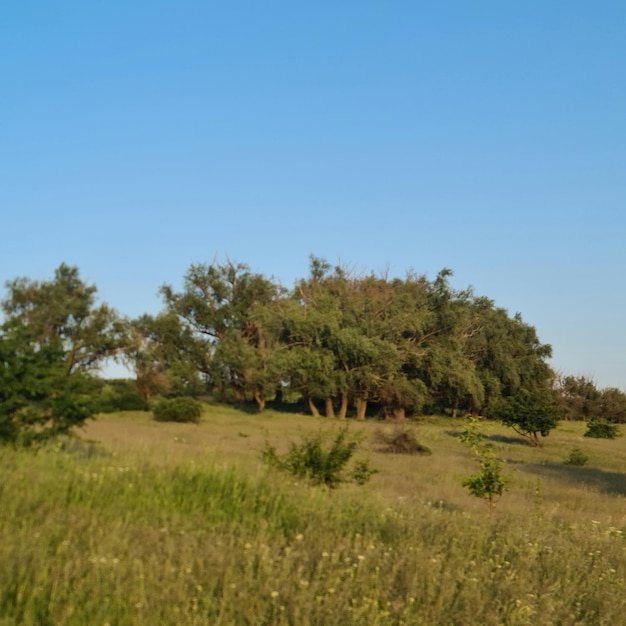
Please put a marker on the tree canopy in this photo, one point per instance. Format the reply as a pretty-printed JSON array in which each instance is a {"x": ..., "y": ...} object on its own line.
[
  {"x": 342, "y": 339},
  {"x": 53, "y": 338}
]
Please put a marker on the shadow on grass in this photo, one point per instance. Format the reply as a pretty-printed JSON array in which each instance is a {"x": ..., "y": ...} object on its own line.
[
  {"x": 251, "y": 407},
  {"x": 515, "y": 440},
  {"x": 80, "y": 448},
  {"x": 606, "y": 482}
]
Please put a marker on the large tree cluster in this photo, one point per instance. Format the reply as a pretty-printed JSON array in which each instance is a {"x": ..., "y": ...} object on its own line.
[{"x": 339, "y": 340}]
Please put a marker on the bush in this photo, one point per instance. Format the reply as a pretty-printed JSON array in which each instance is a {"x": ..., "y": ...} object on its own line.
[
  {"x": 178, "y": 410},
  {"x": 400, "y": 441},
  {"x": 321, "y": 463},
  {"x": 600, "y": 429},
  {"x": 576, "y": 457}
]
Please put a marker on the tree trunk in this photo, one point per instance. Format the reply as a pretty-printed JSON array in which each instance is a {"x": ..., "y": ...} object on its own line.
[
  {"x": 343, "y": 408},
  {"x": 361, "y": 407},
  {"x": 330, "y": 410},
  {"x": 259, "y": 399},
  {"x": 312, "y": 407},
  {"x": 239, "y": 395},
  {"x": 399, "y": 413},
  {"x": 222, "y": 393},
  {"x": 455, "y": 408}
]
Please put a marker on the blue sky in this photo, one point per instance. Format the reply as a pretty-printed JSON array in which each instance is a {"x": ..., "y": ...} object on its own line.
[{"x": 139, "y": 137}]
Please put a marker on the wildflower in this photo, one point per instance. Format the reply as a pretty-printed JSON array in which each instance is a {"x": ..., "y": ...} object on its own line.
[
  {"x": 274, "y": 594},
  {"x": 299, "y": 537}
]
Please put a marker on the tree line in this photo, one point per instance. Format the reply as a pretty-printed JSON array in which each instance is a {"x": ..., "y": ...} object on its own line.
[{"x": 341, "y": 342}]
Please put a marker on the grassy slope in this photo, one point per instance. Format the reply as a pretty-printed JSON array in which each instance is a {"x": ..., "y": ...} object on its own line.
[{"x": 180, "y": 524}]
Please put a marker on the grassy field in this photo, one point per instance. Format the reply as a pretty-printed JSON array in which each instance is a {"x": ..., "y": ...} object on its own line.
[{"x": 150, "y": 523}]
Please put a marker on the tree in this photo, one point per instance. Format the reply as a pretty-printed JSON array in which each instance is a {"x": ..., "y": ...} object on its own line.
[
  {"x": 489, "y": 483},
  {"x": 579, "y": 397},
  {"x": 38, "y": 399},
  {"x": 506, "y": 353},
  {"x": 612, "y": 405},
  {"x": 53, "y": 338},
  {"x": 165, "y": 356},
  {"x": 65, "y": 309},
  {"x": 235, "y": 314},
  {"x": 529, "y": 413}
]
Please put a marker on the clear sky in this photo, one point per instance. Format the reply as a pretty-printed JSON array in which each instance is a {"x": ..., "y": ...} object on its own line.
[{"x": 138, "y": 137}]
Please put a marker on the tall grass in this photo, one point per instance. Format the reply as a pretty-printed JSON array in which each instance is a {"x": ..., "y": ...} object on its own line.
[{"x": 132, "y": 532}]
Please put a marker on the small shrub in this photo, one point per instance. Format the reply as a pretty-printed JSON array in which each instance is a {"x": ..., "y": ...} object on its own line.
[
  {"x": 600, "y": 429},
  {"x": 362, "y": 472},
  {"x": 488, "y": 484},
  {"x": 576, "y": 457},
  {"x": 400, "y": 441},
  {"x": 178, "y": 410},
  {"x": 320, "y": 462}
]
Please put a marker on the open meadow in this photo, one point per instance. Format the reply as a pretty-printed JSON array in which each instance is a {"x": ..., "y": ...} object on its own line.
[{"x": 141, "y": 522}]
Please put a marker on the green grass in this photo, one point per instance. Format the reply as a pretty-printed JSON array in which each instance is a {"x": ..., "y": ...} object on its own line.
[{"x": 164, "y": 523}]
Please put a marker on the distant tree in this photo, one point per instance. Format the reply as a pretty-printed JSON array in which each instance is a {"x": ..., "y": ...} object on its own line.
[
  {"x": 612, "y": 405},
  {"x": 579, "y": 397},
  {"x": 166, "y": 357},
  {"x": 529, "y": 413}
]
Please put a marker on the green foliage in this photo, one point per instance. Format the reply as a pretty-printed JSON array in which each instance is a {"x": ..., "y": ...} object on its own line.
[
  {"x": 362, "y": 472},
  {"x": 183, "y": 409},
  {"x": 528, "y": 412},
  {"x": 400, "y": 440},
  {"x": 581, "y": 399},
  {"x": 65, "y": 308},
  {"x": 166, "y": 356},
  {"x": 601, "y": 429},
  {"x": 118, "y": 395},
  {"x": 54, "y": 337},
  {"x": 235, "y": 321},
  {"x": 612, "y": 405},
  {"x": 576, "y": 457},
  {"x": 488, "y": 484},
  {"x": 320, "y": 462},
  {"x": 38, "y": 399}
]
